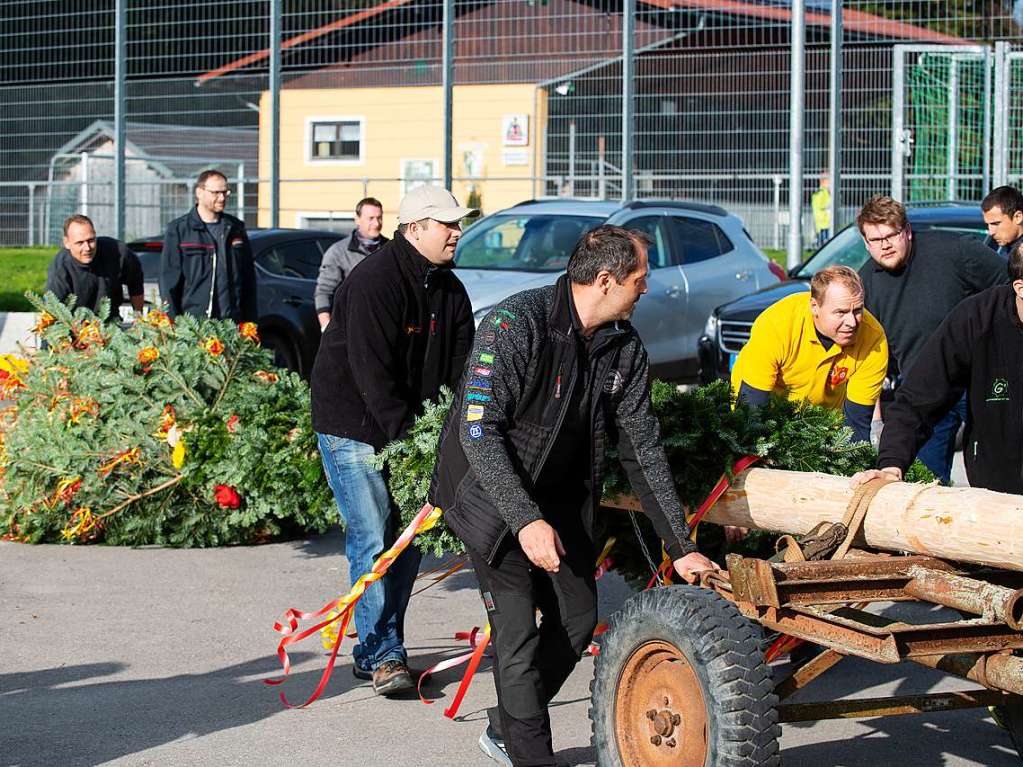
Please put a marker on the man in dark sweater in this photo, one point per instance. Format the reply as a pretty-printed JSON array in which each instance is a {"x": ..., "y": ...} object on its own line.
[
  {"x": 400, "y": 328},
  {"x": 912, "y": 282},
  {"x": 977, "y": 349},
  {"x": 93, "y": 268}
]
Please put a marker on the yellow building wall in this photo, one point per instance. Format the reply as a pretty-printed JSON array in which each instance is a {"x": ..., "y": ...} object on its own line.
[{"x": 399, "y": 125}]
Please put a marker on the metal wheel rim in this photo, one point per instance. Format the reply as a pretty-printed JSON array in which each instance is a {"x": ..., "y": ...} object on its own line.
[{"x": 660, "y": 716}]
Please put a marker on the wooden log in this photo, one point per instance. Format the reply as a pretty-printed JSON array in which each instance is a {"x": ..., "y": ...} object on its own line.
[{"x": 959, "y": 523}]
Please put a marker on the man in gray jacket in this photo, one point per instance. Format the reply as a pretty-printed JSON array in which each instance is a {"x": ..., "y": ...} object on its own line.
[
  {"x": 344, "y": 255},
  {"x": 555, "y": 373}
]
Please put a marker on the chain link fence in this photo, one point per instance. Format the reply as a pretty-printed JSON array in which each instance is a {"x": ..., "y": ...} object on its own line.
[{"x": 931, "y": 106}]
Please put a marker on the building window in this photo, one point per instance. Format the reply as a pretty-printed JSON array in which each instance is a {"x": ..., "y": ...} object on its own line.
[
  {"x": 337, "y": 140},
  {"x": 417, "y": 173}
]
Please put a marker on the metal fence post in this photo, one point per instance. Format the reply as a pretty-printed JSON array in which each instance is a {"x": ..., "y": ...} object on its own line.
[
  {"x": 797, "y": 71},
  {"x": 275, "y": 113},
  {"x": 776, "y": 231},
  {"x": 985, "y": 152},
  {"x": 31, "y": 214},
  {"x": 571, "y": 159},
  {"x": 952, "y": 156},
  {"x": 835, "y": 116},
  {"x": 628, "y": 75},
  {"x": 83, "y": 194},
  {"x": 120, "y": 102},
  {"x": 999, "y": 165},
  {"x": 448, "y": 84},
  {"x": 241, "y": 190}
]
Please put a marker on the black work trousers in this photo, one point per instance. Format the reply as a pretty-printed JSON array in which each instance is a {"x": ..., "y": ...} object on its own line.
[{"x": 532, "y": 662}]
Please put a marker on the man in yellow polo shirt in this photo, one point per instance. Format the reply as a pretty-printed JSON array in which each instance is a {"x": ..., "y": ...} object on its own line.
[{"x": 824, "y": 348}]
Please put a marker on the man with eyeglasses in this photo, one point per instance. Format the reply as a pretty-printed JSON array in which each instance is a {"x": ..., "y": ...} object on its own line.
[
  {"x": 913, "y": 280},
  {"x": 206, "y": 266},
  {"x": 976, "y": 350}
]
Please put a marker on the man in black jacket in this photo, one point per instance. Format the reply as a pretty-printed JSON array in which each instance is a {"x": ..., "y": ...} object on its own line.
[
  {"x": 912, "y": 281},
  {"x": 206, "y": 267},
  {"x": 93, "y": 268},
  {"x": 977, "y": 349},
  {"x": 553, "y": 373},
  {"x": 400, "y": 328}
]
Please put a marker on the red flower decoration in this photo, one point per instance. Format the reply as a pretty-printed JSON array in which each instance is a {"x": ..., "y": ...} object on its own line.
[
  {"x": 226, "y": 497},
  {"x": 232, "y": 424}
]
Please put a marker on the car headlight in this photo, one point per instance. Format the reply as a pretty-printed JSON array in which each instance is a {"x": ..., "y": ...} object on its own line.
[
  {"x": 479, "y": 314},
  {"x": 711, "y": 328}
]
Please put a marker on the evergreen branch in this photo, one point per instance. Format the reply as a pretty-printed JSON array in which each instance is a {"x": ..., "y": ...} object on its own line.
[
  {"x": 181, "y": 382},
  {"x": 227, "y": 382},
  {"x": 139, "y": 496}
]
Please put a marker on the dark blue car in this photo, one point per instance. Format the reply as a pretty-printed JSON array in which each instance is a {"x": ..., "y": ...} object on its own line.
[{"x": 287, "y": 262}]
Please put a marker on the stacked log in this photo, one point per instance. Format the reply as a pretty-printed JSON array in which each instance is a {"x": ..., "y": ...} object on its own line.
[{"x": 958, "y": 523}]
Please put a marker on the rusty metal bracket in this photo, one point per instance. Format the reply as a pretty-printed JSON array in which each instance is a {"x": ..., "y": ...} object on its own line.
[{"x": 906, "y": 704}]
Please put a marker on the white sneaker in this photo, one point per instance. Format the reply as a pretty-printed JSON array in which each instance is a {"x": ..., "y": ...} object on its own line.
[{"x": 494, "y": 748}]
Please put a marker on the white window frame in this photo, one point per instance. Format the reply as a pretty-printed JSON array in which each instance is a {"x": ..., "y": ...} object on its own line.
[
  {"x": 435, "y": 174},
  {"x": 310, "y": 159}
]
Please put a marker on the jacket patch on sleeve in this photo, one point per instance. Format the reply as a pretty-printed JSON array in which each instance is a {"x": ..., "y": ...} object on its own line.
[
  {"x": 481, "y": 371},
  {"x": 475, "y": 431},
  {"x": 479, "y": 383},
  {"x": 500, "y": 323},
  {"x": 477, "y": 397},
  {"x": 489, "y": 336},
  {"x": 487, "y": 358},
  {"x": 474, "y": 413}
]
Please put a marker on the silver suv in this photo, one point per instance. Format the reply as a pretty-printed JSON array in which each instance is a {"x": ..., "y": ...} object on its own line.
[{"x": 701, "y": 257}]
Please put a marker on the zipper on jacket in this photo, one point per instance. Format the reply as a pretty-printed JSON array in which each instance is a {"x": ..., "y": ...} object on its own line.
[
  {"x": 557, "y": 384},
  {"x": 557, "y": 426},
  {"x": 433, "y": 323}
]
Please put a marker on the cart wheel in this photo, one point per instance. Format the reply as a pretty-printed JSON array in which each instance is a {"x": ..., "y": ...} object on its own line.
[
  {"x": 681, "y": 680},
  {"x": 1011, "y": 718}
]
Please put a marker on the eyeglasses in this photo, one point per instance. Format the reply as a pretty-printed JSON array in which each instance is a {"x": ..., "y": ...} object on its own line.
[
  {"x": 874, "y": 242},
  {"x": 217, "y": 192}
]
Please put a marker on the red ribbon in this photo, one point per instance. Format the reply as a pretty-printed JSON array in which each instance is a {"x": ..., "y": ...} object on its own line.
[
  {"x": 719, "y": 489},
  {"x": 470, "y": 671},
  {"x": 289, "y": 626}
]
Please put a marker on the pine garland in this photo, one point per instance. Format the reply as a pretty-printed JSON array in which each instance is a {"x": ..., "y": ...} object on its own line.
[
  {"x": 702, "y": 435},
  {"x": 180, "y": 434}
]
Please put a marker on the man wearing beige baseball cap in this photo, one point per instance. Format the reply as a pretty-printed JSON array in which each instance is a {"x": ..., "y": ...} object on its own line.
[{"x": 400, "y": 328}]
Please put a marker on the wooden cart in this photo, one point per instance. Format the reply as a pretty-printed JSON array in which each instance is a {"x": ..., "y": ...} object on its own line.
[{"x": 682, "y": 679}]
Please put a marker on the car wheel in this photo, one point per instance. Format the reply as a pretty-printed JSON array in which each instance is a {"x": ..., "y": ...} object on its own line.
[{"x": 283, "y": 350}]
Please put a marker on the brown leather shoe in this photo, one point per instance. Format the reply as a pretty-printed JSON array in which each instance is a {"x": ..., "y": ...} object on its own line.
[{"x": 392, "y": 676}]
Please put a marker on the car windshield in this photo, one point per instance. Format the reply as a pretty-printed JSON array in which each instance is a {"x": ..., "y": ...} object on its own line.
[
  {"x": 537, "y": 243},
  {"x": 847, "y": 249}
]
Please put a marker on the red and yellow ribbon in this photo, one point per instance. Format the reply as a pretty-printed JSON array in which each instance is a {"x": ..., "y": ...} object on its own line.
[{"x": 340, "y": 610}]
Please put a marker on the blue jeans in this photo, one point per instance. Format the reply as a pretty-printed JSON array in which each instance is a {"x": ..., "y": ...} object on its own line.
[
  {"x": 372, "y": 524},
  {"x": 937, "y": 452}
]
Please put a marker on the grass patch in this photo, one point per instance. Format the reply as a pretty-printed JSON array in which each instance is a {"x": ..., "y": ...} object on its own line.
[{"x": 22, "y": 269}]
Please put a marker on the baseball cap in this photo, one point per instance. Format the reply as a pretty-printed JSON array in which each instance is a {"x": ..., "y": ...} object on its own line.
[{"x": 432, "y": 202}]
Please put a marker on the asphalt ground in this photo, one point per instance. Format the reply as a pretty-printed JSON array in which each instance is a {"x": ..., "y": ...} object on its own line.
[{"x": 156, "y": 657}]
